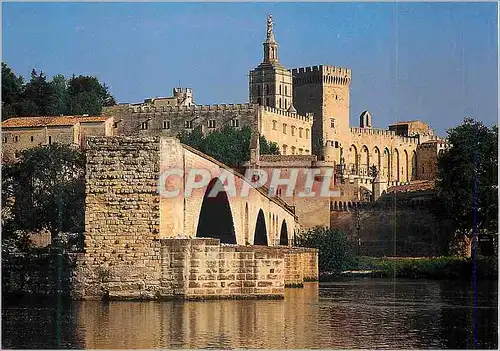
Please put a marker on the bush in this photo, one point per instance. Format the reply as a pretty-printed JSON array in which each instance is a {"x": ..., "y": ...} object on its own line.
[{"x": 335, "y": 253}]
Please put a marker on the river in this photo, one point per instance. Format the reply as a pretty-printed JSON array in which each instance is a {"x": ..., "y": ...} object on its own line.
[{"x": 353, "y": 314}]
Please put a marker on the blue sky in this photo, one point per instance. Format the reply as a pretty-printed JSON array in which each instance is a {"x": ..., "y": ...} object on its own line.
[{"x": 437, "y": 62}]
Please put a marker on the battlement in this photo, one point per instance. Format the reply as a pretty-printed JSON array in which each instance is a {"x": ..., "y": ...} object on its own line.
[
  {"x": 182, "y": 92},
  {"x": 321, "y": 74},
  {"x": 384, "y": 133},
  {"x": 216, "y": 107},
  {"x": 307, "y": 118}
]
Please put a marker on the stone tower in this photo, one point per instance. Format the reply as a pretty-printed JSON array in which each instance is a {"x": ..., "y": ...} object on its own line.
[
  {"x": 324, "y": 91},
  {"x": 270, "y": 82}
]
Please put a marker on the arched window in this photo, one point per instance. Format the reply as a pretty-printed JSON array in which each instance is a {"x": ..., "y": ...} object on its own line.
[
  {"x": 300, "y": 132},
  {"x": 286, "y": 93},
  {"x": 280, "y": 89},
  {"x": 280, "y": 100},
  {"x": 286, "y": 104},
  {"x": 307, "y": 133}
]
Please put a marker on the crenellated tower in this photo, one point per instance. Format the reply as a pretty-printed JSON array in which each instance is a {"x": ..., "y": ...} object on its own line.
[
  {"x": 324, "y": 91},
  {"x": 270, "y": 83}
]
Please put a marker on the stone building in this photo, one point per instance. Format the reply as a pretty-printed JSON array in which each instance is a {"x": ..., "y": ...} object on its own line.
[{"x": 20, "y": 133}]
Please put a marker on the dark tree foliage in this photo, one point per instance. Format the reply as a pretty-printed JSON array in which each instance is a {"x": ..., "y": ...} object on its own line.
[
  {"x": 229, "y": 145},
  {"x": 12, "y": 88},
  {"x": 335, "y": 254},
  {"x": 317, "y": 145},
  {"x": 473, "y": 156},
  {"x": 47, "y": 188},
  {"x": 39, "y": 97},
  {"x": 85, "y": 95}
]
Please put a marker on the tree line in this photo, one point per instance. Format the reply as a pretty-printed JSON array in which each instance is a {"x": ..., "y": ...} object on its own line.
[{"x": 59, "y": 96}]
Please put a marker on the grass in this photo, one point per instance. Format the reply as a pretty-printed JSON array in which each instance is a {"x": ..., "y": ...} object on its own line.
[{"x": 424, "y": 267}]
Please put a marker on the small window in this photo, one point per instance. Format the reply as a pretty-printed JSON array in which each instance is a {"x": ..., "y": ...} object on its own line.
[
  {"x": 259, "y": 101},
  {"x": 336, "y": 144},
  {"x": 166, "y": 124},
  {"x": 144, "y": 125},
  {"x": 280, "y": 102},
  {"x": 50, "y": 139},
  {"x": 32, "y": 138},
  {"x": 274, "y": 125},
  {"x": 293, "y": 130},
  {"x": 4, "y": 139},
  {"x": 211, "y": 123},
  {"x": 267, "y": 89},
  {"x": 300, "y": 132},
  {"x": 267, "y": 101},
  {"x": 280, "y": 89},
  {"x": 258, "y": 89},
  {"x": 235, "y": 122},
  {"x": 332, "y": 122},
  {"x": 307, "y": 133},
  {"x": 284, "y": 149},
  {"x": 188, "y": 124},
  {"x": 293, "y": 150},
  {"x": 284, "y": 128},
  {"x": 16, "y": 138},
  {"x": 286, "y": 93},
  {"x": 286, "y": 104},
  {"x": 300, "y": 151}
]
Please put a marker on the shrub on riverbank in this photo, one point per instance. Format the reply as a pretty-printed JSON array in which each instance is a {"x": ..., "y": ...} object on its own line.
[
  {"x": 428, "y": 267},
  {"x": 335, "y": 252}
]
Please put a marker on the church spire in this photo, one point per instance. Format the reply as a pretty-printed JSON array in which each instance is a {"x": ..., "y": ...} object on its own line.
[{"x": 270, "y": 45}]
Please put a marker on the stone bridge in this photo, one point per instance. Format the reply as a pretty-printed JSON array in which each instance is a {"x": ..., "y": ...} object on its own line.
[{"x": 127, "y": 177}]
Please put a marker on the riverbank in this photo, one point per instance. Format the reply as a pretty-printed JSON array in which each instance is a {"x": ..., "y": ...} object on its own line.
[{"x": 418, "y": 268}]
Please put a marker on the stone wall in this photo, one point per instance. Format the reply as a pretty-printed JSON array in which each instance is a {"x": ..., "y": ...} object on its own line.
[{"x": 199, "y": 268}]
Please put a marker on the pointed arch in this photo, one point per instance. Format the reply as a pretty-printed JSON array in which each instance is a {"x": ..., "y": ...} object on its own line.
[
  {"x": 353, "y": 159},
  {"x": 386, "y": 164},
  {"x": 405, "y": 166},
  {"x": 365, "y": 160},
  {"x": 284, "y": 234},
  {"x": 396, "y": 163},
  {"x": 376, "y": 158},
  {"x": 216, "y": 219},
  {"x": 260, "y": 235},
  {"x": 413, "y": 165}
]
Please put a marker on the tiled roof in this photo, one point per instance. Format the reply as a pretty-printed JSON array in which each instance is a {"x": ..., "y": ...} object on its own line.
[
  {"x": 417, "y": 185},
  {"x": 43, "y": 121}
]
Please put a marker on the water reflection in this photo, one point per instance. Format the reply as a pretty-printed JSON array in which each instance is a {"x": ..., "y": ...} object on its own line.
[{"x": 362, "y": 313}]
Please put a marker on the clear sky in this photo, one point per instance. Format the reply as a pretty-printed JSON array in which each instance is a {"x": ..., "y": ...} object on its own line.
[{"x": 437, "y": 62}]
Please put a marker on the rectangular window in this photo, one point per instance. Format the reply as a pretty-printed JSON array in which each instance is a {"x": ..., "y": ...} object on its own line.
[
  {"x": 332, "y": 122},
  {"x": 4, "y": 139},
  {"x": 293, "y": 130},
  {"x": 235, "y": 122},
  {"x": 32, "y": 138},
  {"x": 144, "y": 125},
  {"x": 16, "y": 138},
  {"x": 284, "y": 128},
  {"x": 50, "y": 140},
  {"x": 300, "y": 132},
  {"x": 211, "y": 123},
  {"x": 166, "y": 124},
  {"x": 188, "y": 124},
  {"x": 274, "y": 125}
]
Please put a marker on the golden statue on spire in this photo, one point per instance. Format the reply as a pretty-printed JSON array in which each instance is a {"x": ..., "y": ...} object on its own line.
[{"x": 270, "y": 25}]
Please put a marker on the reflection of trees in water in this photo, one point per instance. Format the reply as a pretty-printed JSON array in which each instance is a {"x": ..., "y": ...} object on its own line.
[{"x": 40, "y": 324}]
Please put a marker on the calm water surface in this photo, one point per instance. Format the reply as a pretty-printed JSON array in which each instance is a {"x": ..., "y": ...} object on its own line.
[{"x": 359, "y": 313}]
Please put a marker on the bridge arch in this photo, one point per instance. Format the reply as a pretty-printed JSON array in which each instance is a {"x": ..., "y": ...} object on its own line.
[
  {"x": 284, "y": 234},
  {"x": 216, "y": 219},
  {"x": 260, "y": 235}
]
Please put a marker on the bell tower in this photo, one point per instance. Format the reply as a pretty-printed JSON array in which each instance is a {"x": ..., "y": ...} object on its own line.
[{"x": 270, "y": 84}]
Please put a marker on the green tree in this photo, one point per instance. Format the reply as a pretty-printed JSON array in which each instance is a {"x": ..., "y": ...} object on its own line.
[
  {"x": 317, "y": 146},
  {"x": 47, "y": 187},
  {"x": 60, "y": 86},
  {"x": 12, "y": 87},
  {"x": 466, "y": 171},
  {"x": 40, "y": 98},
  {"x": 85, "y": 95},
  {"x": 335, "y": 253},
  {"x": 228, "y": 145}
]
